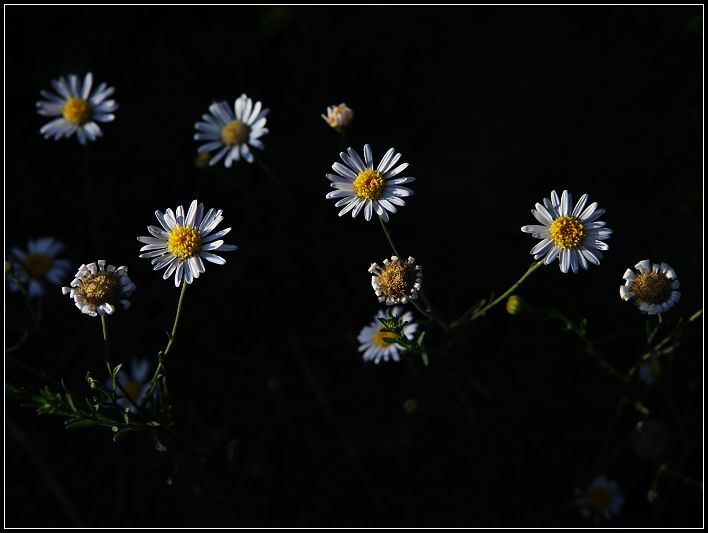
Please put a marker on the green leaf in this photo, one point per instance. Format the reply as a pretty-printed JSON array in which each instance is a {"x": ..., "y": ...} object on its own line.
[
  {"x": 83, "y": 423},
  {"x": 114, "y": 374},
  {"x": 122, "y": 433}
]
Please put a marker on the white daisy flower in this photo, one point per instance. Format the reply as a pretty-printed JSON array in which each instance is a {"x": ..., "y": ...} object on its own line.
[
  {"x": 182, "y": 241},
  {"x": 77, "y": 108},
  {"x": 38, "y": 264},
  {"x": 397, "y": 281},
  {"x": 338, "y": 116},
  {"x": 602, "y": 500},
  {"x": 230, "y": 131},
  {"x": 371, "y": 339},
  {"x": 97, "y": 288},
  {"x": 361, "y": 187},
  {"x": 653, "y": 288},
  {"x": 571, "y": 234},
  {"x": 135, "y": 383}
]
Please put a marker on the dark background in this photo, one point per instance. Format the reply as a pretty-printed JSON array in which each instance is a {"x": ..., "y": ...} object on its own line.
[{"x": 493, "y": 108}]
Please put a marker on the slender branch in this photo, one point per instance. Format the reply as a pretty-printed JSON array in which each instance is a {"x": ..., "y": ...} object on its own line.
[
  {"x": 473, "y": 313},
  {"x": 162, "y": 355},
  {"x": 390, "y": 240},
  {"x": 105, "y": 343}
]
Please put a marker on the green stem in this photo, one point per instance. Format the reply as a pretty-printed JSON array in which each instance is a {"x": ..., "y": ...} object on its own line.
[
  {"x": 476, "y": 313},
  {"x": 162, "y": 355},
  {"x": 589, "y": 344},
  {"x": 265, "y": 168},
  {"x": 390, "y": 240},
  {"x": 105, "y": 343}
]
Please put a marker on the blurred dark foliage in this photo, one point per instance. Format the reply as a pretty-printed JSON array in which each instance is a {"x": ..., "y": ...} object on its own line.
[{"x": 493, "y": 108}]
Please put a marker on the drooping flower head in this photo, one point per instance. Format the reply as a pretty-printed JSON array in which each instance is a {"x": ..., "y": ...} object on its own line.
[
  {"x": 98, "y": 289},
  {"x": 601, "y": 500},
  {"x": 78, "y": 107},
  {"x": 338, "y": 116},
  {"x": 397, "y": 281},
  {"x": 182, "y": 241},
  {"x": 571, "y": 234},
  {"x": 361, "y": 187},
  {"x": 653, "y": 288},
  {"x": 229, "y": 131},
  {"x": 371, "y": 338},
  {"x": 38, "y": 265}
]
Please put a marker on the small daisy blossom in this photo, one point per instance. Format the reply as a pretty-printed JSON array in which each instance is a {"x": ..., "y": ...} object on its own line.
[
  {"x": 98, "y": 289},
  {"x": 371, "y": 339},
  {"x": 231, "y": 131},
  {"x": 653, "y": 288},
  {"x": 571, "y": 234},
  {"x": 397, "y": 281},
  {"x": 360, "y": 187},
  {"x": 338, "y": 116},
  {"x": 183, "y": 241},
  {"x": 135, "y": 383},
  {"x": 602, "y": 500},
  {"x": 38, "y": 264},
  {"x": 77, "y": 106}
]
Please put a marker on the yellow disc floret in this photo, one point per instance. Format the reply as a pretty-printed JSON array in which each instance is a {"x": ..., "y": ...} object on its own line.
[
  {"x": 235, "y": 132},
  {"x": 100, "y": 288},
  {"x": 567, "y": 232},
  {"x": 369, "y": 184},
  {"x": 184, "y": 242},
  {"x": 598, "y": 497},
  {"x": 77, "y": 111},
  {"x": 379, "y": 337},
  {"x": 132, "y": 389},
  {"x": 37, "y": 264},
  {"x": 396, "y": 280},
  {"x": 652, "y": 288}
]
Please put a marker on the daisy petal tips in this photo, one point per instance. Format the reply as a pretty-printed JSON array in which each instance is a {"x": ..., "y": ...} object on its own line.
[
  {"x": 77, "y": 107},
  {"x": 98, "y": 288},
  {"x": 182, "y": 240},
  {"x": 653, "y": 288},
  {"x": 229, "y": 131},
  {"x": 361, "y": 187},
  {"x": 573, "y": 235}
]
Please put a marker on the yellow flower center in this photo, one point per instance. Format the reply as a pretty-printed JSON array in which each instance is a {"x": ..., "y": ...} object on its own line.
[
  {"x": 132, "y": 389},
  {"x": 397, "y": 279},
  {"x": 369, "y": 184},
  {"x": 235, "y": 132},
  {"x": 101, "y": 287},
  {"x": 567, "y": 232},
  {"x": 184, "y": 242},
  {"x": 379, "y": 337},
  {"x": 77, "y": 111},
  {"x": 655, "y": 368},
  {"x": 37, "y": 264},
  {"x": 598, "y": 497},
  {"x": 652, "y": 288}
]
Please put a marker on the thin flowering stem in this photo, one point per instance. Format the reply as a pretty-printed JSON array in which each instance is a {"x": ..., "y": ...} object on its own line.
[
  {"x": 105, "y": 343},
  {"x": 430, "y": 314},
  {"x": 162, "y": 355},
  {"x": 388, "y": 236},
  {"x": 475, "y": 312},
  {"x": 267, "y": 170},
  {"x": 590, "y": 347}
]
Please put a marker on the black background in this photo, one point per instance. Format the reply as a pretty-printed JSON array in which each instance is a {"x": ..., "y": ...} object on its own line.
[{"x": 493, "y": 108}]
